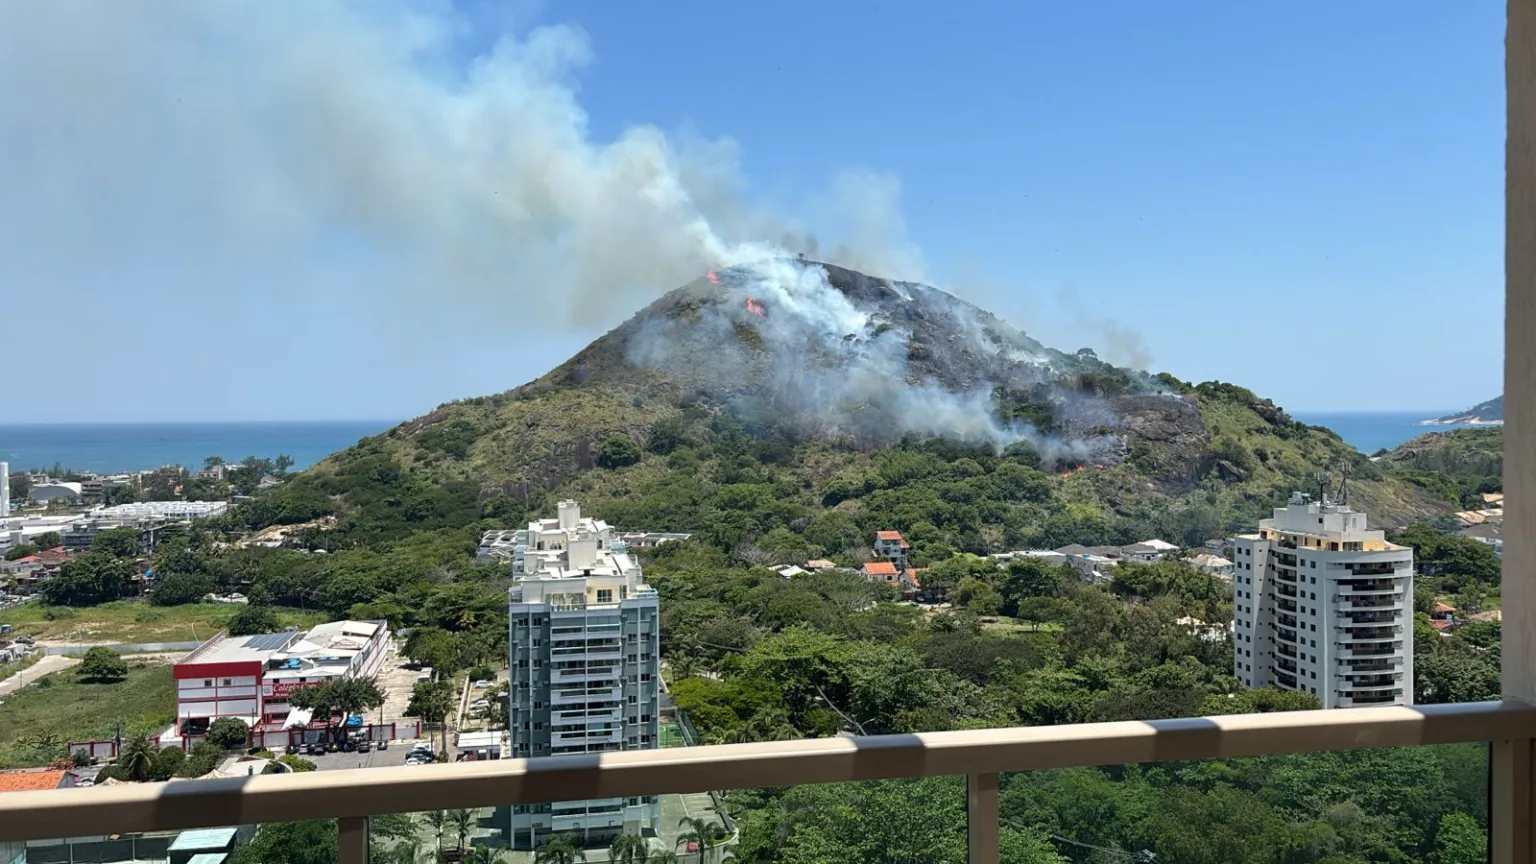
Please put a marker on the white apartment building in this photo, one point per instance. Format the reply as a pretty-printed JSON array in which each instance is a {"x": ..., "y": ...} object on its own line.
[
  {"x": 585, "y": 669},
  {"x": 1323, "y": 605}
]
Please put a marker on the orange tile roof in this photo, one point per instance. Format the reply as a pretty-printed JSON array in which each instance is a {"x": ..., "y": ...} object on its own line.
[
  {"x": 1444, "y": 607},
  {"x": 30, "y": 781},
  {"x": 912, "y": 577},
  {"x": 820, "y": 564},
  {"x": 1441, "y": 624},
  {"x": 880, "y": 568},
  {"x": 888, "y": 535}
]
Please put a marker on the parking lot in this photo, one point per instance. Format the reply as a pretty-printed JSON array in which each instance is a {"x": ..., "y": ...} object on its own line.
[{"x": 374, "y": 758}]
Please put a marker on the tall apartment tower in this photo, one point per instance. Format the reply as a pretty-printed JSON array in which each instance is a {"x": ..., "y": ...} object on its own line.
[
  {"x": 585, "y": 669},
  {"x": 5, "y": 489},
  {"x": 1323, "y": 605}
]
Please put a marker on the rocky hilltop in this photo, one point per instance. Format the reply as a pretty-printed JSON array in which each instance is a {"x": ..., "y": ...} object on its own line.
[
  {"x": 1490, "y": 413},
  {"x": 814, "y": 379}
]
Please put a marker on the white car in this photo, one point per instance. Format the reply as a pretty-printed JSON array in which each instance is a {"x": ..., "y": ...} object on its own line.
[{"x": 481, "y": 685}]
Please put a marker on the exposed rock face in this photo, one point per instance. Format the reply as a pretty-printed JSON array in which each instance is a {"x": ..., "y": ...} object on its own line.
[{"x": 826, "y": 351}]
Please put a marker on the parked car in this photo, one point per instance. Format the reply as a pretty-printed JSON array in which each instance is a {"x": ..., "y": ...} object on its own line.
[
  {"x": 364, "y": 746},
  {"x": 383, "y": 743},
  {"x": 331, "y": 747},
  {"x": 481, "y": 685}
]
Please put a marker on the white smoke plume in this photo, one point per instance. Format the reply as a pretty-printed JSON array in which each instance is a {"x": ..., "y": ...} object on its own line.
[
  {"x": 837, "y": 360},
  {"x": 173, "y": 145}
]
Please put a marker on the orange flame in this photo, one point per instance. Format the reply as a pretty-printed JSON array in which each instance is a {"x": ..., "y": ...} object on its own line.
[
  {"x": 712, "y": 277},
  {"x": 1070, "y": 471},
  {"x": 756, "y": 308}
]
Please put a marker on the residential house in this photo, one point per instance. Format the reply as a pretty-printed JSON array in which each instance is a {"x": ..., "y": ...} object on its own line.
[
  {"x": 819, "y": 564},
  {"x": 882, "y": 571},
  {"x": 1146, "y": 551},
  {"x": 1442, "y": 617},
  {"x": 1215, "y": 565},
  {"x": 1206, "y": 632},
  {"x": 1140, "y": 552},
  {"x": 34, "y": 780},
  {"x": 1091, "y": 562},
  {"x": 891, "y": 546}
]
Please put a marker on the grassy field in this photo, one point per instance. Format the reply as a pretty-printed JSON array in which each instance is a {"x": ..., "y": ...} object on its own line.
[
  {"x": 130, "y": 621},
  {"x": 59, "y": 705}
]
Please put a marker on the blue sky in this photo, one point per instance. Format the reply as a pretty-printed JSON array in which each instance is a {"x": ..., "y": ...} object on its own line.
[{"x": 1308, "y": 203}]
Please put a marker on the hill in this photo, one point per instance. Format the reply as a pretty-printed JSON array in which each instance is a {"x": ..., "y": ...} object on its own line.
[
  {"x": 1483, "y": 413},
  {"x": 806, "y": 401},
  {"x": 1458, "y": 465}
]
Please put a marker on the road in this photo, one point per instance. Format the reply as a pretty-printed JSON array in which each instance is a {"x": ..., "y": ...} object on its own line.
[{"x": 50, "y": 663}]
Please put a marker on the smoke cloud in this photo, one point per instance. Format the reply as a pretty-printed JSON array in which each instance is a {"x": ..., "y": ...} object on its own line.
[
  {"x": 180, "y": 143},
  {"x": 847, "y": 354}
]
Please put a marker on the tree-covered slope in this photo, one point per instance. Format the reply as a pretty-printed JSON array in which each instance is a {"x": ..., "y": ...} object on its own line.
[
  {"x": 1458, "y": 465},
  {"x": 741, "y": 409}
]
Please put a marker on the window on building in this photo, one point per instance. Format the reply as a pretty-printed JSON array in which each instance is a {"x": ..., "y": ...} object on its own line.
[
  {"x": 208, "y": 682},
  {"x": 605, "y": 595}
]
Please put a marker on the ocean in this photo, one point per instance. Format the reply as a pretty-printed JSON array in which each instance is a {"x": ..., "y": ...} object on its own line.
[
  {"x": 106, "y": 448},
  {"x": 1369, "y": 431}
]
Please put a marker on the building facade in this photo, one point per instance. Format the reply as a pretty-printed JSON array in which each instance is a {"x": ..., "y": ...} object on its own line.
[
  {"x": 584, "y": 665},
  {"x": 1323, "y": 605},
  {"x": 252, "y": 677}
]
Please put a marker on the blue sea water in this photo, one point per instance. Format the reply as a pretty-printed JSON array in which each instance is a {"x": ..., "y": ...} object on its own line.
[
  {"x": 1369, "y": 431},
  {"x": 106, "y": 448}
]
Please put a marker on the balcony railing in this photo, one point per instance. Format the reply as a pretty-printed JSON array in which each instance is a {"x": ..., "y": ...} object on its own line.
[{"x": 351, "y": 796}]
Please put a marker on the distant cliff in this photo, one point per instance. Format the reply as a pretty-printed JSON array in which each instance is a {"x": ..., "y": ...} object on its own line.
[{"x": 1490, "y": 413}]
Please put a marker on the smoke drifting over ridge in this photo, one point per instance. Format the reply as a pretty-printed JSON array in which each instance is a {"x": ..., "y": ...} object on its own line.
[
  {"x": 186, "y": 144},
  {"x": 835, "y": 352},
  {"x": 182, "y": 147}
]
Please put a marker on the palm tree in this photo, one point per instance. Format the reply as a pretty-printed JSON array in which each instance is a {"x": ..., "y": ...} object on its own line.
[
  {"x": 136, "y": 761},
  {"x": 627, "y": 849},
  {"x": 481, "y": 855},
  {"x": 462, "y": 822},
  {"x": 437, "y": 819},
  {"x": 701, "y": 832},
  {"x": 559, "y": 850},
  {"x": 407, "y": 851}
]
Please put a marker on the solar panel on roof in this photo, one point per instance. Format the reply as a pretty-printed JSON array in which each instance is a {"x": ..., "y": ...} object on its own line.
[{"x": 268, "y": 641}]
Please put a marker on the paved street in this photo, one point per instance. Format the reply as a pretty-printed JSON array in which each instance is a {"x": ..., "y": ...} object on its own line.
[{"x": 35, "y": 671}]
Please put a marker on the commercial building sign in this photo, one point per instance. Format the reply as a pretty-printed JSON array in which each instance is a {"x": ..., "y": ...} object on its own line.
[{"x": 281, "y": 689}]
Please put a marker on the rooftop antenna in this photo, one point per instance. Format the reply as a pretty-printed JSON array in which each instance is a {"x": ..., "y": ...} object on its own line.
[
  {"x": 1344, "y": 484},
  {"x": 1322, "y": 478}
]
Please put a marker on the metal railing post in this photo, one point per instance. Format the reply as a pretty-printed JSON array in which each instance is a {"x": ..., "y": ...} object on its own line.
[
  {"x": 352, "y": 840},
  {"x": 1511, "y": 798},
  {"x": 981, "y": 818}
]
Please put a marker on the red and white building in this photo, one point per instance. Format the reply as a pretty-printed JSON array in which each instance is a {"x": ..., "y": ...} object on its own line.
[{"x": 252, "y": 677}]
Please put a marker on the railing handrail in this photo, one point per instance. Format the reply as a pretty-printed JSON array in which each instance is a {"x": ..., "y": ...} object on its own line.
[{"x": 354, "y": 793}]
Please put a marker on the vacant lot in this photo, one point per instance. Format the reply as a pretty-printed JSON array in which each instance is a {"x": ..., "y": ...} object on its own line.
[
  {"x": 130, "y": 621},
  {"x": 58, "y": 708}
]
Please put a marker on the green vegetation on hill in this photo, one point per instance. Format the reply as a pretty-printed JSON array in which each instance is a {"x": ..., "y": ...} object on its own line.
[
  {"x": 1458, "y": 465},
  {"x": 390, "y": 527},
  {"x": 696, "y": 466}
]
